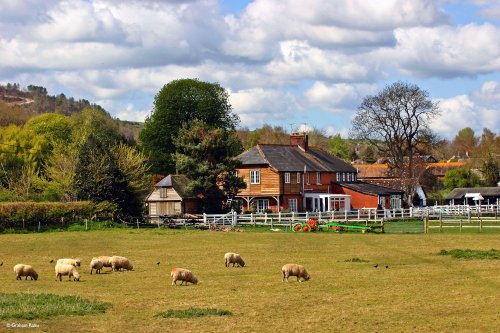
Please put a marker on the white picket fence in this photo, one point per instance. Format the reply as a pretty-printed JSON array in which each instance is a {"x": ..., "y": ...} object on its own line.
[{"x": 362, "y": 215}]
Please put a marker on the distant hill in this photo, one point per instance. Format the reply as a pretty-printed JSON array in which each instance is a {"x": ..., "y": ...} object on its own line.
[{"x": 17, "y": 105}]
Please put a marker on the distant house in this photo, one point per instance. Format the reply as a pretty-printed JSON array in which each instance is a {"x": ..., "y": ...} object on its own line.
[
  {"x": 169, "y": 198},
  {"x": 297, "y": 177},
  {"x": 379, "y": 174},
  {"x": 474, "y": 196}
]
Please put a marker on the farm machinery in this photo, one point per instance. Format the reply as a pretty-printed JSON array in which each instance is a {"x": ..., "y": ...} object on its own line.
[{"x": 313, "y": 225}]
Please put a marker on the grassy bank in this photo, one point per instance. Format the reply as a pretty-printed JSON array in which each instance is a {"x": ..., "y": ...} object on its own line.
[{"x": 420, "y": 291}]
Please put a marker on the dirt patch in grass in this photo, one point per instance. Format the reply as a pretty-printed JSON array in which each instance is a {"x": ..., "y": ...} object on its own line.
[
  {"x": 41, "y": 306},
  {"x": 471, "y": 254},
  {"x": 194, "y": 313}
]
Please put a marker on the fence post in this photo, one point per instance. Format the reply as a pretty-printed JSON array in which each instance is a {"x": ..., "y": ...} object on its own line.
[
  {"x": 440, "y": 221},
  {"x": 204, "y": 218},
  {"x": 369, "y": 214},
  {"x": 358, "y": 215},
  {"x": 468, "y": 216},
  {"x": 382, "y": 225},
  {"x": 307, "y": 216},
  {"x": 411, "y": 211},
  {"x": 480, "y": 224},
  {"x": 252, "y": 219},
  {"x": 39, "y": 226},
  {"x": 279, "y": 217},
  {"x": 137, "y": 221},
  {"x": 319, "y": 217},
  {"x": 345, "y": 215},
  {"x": 460, "y": 225},
  {"x": 265, "y": 218},
  {"x": 293, "y": 217},
  {"x": 426, "y": 224}
]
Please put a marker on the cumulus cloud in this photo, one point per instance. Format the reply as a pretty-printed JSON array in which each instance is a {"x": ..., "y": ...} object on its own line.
[
  {"x": 489, "y": 93},
  {"x": 339, "y": 97},
  {"x": 447, "y": 51}
]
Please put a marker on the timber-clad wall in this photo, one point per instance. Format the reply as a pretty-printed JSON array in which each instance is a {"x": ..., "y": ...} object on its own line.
[
  {"x": 269, "y": 182},
  {"x": 172, "y": 195}
]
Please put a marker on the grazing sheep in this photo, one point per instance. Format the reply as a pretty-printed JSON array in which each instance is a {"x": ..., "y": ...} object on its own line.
[
  {"x": 25, "y": 270},
  {"x": 295, "y": 270},
  {"x": 68, "y": 261},
  {"x": 69, "y": 270},
  {"x": 183, "y": 275},
  {"x": 105, "y": 260},
  {"x": 120, "y": 263},
  {"x": 97, "y": 265},
  {"x": 233, "y": 258}
]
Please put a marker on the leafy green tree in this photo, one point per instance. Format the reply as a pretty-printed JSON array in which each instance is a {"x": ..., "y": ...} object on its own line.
[
  {"x": 97, "y": 175},
  {"x": 490, "y": 171},
  {"x": 207, "y": 157},
  {"x": 96, "y": 122},
  {"x": 460, "y": 177},
  {"x": 177, "y": 103},
  {"x": 339, "y": 147},
  {"x": 56, "y": 128}
]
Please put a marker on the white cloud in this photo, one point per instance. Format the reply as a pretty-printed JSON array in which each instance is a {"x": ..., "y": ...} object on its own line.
[
  {"x": 447, "y": 51},
  {"x": 258, "y": 106},
  {"x": 489, "y": 92},
  {"x": 336, "y": 97}
]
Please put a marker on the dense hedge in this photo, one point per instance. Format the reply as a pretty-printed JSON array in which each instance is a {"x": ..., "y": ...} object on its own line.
[{"x": 28, "y": 215}]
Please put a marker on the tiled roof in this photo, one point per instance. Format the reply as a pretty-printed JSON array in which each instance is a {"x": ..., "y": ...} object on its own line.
[
  {"x": 293, "y": 159},
  {"x": 178, "y": 182},
  {"x": 459, "y": 193},
  {"x": 368, "y": 188}
]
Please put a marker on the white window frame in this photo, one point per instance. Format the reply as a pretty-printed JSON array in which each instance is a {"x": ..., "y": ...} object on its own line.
[
  {"x": 287, "y": 177},
  {"x": 254, "y": 176},
  {"x": 298, "y": 177},
  {"x": 307, "y": 178},
  {"x": 381, "y": 201},
  {"x": 395, "y": 202},
  {"x": 343, "y": 176},
  {"x": 318, "y": 178},
  {"x": 292, "y": 205},
  {"x": 261, "y": 205},
  {"x": 338, "y": 177}
]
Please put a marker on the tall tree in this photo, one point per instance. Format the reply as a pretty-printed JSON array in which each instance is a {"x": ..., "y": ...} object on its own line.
[
  {"x": 396, "y": 121},
  {"x": 97, "y": 175},
  {"x": 465, "y": 142},
  {"x": 207, "y": 157},
  {"x": 177, "y": 103},
  {"x": 339, "y": 147}
]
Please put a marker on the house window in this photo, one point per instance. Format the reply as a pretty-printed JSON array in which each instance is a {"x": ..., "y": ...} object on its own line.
[
  {"x": 307, "y": 178},
  {"x": 292, "y": 205},
  {"x": 338, "y": 176},
  {"x": 298, "y": 177},
  {"x": 395, "y": 201},
  {"x": 287, "y": 177},
  {"x": 381, "y": 201},
  {"x": 163, "y": 192},
  {"x": 318, "y": 178},
  {"x": 343, "y": 176},
  {"x": 261, "y": 205},
  {"x": 254, "y": 176},
  {"x": 349, "y": 177}
]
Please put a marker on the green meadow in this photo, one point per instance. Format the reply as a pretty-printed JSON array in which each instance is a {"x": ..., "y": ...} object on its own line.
[{"x": 425, "y": 288}]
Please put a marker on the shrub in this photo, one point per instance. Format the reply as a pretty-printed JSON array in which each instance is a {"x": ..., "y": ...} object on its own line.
[{"x": 27, "y": 215}]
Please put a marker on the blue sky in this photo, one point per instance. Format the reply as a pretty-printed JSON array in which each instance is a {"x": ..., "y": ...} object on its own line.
[{"x": 284, "y": 62}]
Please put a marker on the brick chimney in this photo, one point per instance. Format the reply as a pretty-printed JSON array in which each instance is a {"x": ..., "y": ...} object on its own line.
[{"x": 299, "y": 139}]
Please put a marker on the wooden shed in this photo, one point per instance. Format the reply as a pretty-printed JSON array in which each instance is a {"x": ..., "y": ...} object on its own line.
[{"x": 169, "y": 198}]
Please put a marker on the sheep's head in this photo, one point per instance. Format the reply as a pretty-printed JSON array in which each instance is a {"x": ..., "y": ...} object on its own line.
[
  {"x": 76, "y": 276},
  {"x": 242, "y": 263},
  {"x": 306, "y": 276},
  {"x": 194, "y": 280},
  {"x": 77, "y": 262},
  {"x": 35, "y": 276}
]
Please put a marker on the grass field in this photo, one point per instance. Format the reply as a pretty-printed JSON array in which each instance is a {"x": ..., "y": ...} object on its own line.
[{"x": 421, "y": 291}]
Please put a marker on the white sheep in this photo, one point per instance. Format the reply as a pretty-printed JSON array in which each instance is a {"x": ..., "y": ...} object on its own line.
[
  {"x": 233, "y": 258},
  {"x": 96, "y": 264},
  {"x": 119, "y": 263},
  {"x": 105, "y": 260},
  {"x": 183, "y": 275},
  {"x": 25, "y": 270},
  {"x": 69, "y": 270},
  {"x": 68, "y": 261},
  {"x": 295, "y": 270}
]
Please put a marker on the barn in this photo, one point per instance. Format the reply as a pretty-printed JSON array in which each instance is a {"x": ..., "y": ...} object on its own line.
[
  {"x": 169, "y": 197},
  {"x": 474, "y": 196}
]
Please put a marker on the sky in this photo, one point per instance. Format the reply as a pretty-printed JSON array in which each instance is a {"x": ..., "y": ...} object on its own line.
[{"x": 292, "y": 63}]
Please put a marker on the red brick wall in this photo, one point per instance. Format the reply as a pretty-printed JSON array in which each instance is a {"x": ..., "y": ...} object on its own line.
[{"x": 358, "y": 200}]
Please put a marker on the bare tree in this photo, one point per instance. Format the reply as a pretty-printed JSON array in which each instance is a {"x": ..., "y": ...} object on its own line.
[{"x": 396, "y": 121}]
